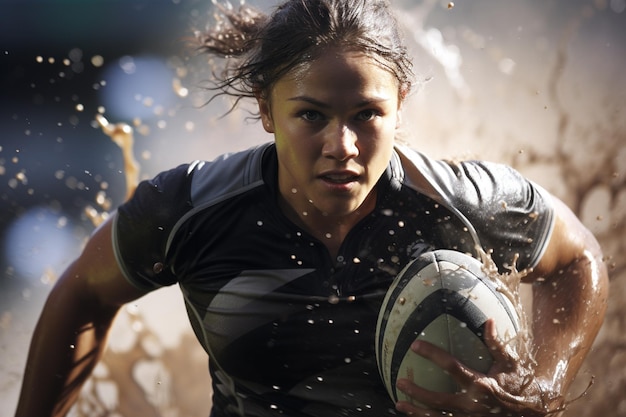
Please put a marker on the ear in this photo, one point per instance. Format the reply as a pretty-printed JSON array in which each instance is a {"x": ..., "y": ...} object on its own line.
[
  {"x": 399, "y": 115},
  {"x": 401, "y": 97},
  {"x": 265, "y": 113}
]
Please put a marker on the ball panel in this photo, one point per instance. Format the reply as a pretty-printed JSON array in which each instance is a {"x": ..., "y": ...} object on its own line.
[
  {"x": 451, "y": 335},
  {"x": 422, "y": 371},
  {"x": 442, "y": 318},
  {"x": 468, "y": 346}
]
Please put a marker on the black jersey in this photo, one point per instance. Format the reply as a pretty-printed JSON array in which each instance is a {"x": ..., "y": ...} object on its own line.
[{"x": 288, "y": 329}]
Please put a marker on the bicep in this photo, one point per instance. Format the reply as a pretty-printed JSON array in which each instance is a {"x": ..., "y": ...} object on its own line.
[{"x": 570, "y": 290}]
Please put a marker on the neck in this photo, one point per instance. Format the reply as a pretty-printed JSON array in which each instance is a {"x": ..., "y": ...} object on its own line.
[{"x": 328, "y": 229}]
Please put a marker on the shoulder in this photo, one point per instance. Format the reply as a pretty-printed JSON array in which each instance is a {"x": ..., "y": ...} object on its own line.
[
  {"x": 201, "y": 181},
  {"x": 503, "y": 211},
  {"x": 468, "y": 183},
  {"x": 464, "y": 182},
  {"x": 145, "y": 225}
]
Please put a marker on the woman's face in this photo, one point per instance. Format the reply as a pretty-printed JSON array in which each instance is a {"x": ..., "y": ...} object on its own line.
[{"x": 334, "y": 122}]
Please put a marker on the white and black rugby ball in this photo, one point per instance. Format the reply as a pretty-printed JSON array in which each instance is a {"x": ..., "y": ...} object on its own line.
[{"x": 445, "y": 298}]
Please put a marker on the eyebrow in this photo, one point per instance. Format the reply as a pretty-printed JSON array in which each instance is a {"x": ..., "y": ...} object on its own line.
[{"x": 321, "y": 104}]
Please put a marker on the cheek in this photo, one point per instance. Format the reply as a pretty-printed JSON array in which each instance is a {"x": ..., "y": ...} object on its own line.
[
  {"x": 293, "y": 153},
  {"x": 296, "y": 143},
  {"x": 379, "y": 151},
  {"x": 380, "y": 143}
]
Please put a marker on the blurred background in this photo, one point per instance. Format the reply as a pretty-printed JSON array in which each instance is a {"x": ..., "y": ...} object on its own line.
[{"x": 538, "y": 85}]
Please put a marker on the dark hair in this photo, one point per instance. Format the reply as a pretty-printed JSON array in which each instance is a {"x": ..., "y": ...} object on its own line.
[{"x": 260, "y": 49}]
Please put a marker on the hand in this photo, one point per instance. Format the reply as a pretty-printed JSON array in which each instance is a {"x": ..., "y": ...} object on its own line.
[{"x": 508, "y": 389}]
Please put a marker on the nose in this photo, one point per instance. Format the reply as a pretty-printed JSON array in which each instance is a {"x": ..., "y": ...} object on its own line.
[{"x": 340, "y": 144}]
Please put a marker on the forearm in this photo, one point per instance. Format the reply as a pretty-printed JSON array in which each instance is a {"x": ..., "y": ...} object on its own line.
[
  {"x": 67, "y": 343},
  {"x": 568, "y": 310}
]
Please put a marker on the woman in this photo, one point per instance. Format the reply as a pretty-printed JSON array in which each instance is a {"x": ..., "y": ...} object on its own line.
[{"x": 285, "y": 251}]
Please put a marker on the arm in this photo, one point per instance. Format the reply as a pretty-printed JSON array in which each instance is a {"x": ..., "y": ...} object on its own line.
[
  {"x": 570, "y": 286},
  {"x": 70, "y": 336},
  {"x": 569, "y": 303}
]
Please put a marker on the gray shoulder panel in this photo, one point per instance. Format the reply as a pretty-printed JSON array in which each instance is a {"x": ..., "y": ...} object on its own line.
[
  {"x": 228, "y": 175},
  {"x": 225, "y": 177},
  {"x": 502, "y": 210}
]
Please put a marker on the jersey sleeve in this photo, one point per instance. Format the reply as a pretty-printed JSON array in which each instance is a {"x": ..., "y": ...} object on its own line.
[
  {"x": 513, "y": 217},
  {"x": 505, "y": 213},
  {"x": 143, "y": 224}
]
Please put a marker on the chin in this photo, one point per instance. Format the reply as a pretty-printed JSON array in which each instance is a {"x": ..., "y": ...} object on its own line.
[
  {"x": 344, "y": 205},
  {"x": 341, "y": 211}
]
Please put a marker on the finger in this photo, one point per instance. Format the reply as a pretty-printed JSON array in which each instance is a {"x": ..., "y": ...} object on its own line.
[
  {"x": 422, "y": 401},
  {"x": 461, "y": 374},
  {"x": 473, "y": 400},
  {"x": 492, "y": 340},
  {"x": 435, "y": 404},
  {"x": 411, "y": 410},
  {"x": 423, "y": 396},
  {"x": 501, "y": 351}
]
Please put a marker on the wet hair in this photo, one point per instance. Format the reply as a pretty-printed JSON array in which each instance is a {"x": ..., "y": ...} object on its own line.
[{"x": 258, "y": 49}]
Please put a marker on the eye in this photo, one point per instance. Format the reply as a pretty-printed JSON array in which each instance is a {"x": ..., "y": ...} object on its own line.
[
  {"x": 367, "y": 115},
  {"x": 311, "y": 115}
]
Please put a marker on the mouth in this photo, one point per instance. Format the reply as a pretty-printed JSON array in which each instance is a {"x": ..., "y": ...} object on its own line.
[{"x": 340, "y": 178}]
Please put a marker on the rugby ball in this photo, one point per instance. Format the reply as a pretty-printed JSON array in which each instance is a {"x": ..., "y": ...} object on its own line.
[{"x": 445, "y": 298}]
